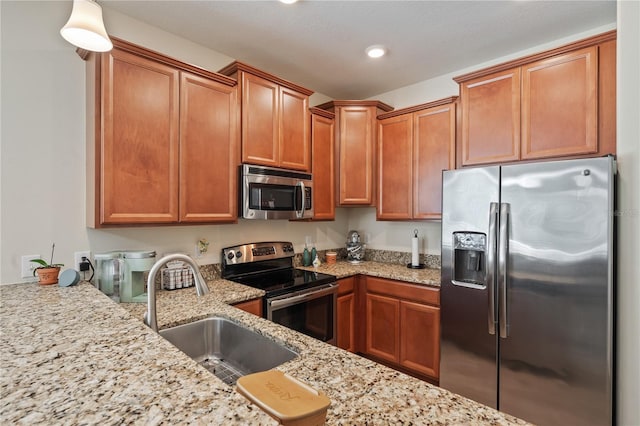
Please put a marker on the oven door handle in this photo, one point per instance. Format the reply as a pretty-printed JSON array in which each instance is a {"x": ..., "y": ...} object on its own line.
[{"x": 288, "y": 301}]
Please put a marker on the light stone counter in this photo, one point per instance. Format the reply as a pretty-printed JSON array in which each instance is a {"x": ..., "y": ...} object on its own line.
[
  {"x": 71, "y": 355},
  {"x": 393, "y": 271}
]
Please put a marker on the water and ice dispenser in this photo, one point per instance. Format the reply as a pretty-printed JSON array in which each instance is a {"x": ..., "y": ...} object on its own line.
[{"x": 469, "y": 256}]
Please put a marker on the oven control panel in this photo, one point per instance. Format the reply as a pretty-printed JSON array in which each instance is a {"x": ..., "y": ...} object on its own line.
[
  {"x": 256, "y": 252},
  {"x": 263, "y": 251}
]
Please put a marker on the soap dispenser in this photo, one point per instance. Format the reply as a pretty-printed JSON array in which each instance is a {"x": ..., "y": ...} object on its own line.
[{"x": 306, "y": 257}]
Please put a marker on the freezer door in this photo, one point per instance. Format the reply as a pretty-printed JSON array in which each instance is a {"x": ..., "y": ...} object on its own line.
[
  {"x": 556, "y": 358},
  {"x": 468, "y": 347}
]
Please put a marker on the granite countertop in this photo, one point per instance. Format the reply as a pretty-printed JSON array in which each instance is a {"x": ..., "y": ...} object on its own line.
[
  {"x": 71, "y": 355},
  {"x": 394, "y": 271}
]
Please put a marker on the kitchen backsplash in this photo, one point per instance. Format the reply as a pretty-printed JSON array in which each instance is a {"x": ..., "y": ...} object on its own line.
[
  {"x": 383, "y": 256},
  {"x": 213, "y": 271},
  {"x": 403, "y": 258}
]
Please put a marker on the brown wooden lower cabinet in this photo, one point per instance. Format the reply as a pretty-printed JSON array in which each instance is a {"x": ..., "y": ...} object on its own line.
[
  {"x": 420, "y": 338},
  {"x": 402, "y": 325},
  {"x": 392, "y": 322},
  {"x": 383, "y": 327},
  {"x": 346, "y": 314},
  {"x": 253, "y": 306}
]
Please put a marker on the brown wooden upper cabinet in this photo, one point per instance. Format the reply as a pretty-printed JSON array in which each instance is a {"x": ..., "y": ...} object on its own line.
[
  {"x": 356, "y": 128},
  {"x": 556, "y": 103},
  {"x": 209, "y": 143},
  {"x": 414, "y": 146},
  {"x": 322, "y": 164},
  {"x": 163, "y": 140},
  {"x": 275, "y": 119}
]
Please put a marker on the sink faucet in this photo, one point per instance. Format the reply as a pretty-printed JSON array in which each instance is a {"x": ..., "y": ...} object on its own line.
[{"x": 151, "y": 318}]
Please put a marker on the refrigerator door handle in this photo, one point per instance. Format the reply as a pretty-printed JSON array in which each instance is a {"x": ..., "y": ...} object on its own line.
[
  {"x": 503, "y": 254},
  {"x": 491, "y": 266}
]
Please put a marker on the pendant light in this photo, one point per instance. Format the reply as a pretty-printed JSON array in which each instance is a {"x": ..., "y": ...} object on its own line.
[{"x": 85, "y": 28}]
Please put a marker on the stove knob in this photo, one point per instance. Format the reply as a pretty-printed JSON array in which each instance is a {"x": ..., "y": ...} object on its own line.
[
  {"x": 238, "y": 254},
  {"x": 230, "y": 255}
]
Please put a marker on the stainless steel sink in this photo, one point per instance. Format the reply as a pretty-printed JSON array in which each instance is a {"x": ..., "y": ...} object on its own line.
[{"x": 227, "y": 349}]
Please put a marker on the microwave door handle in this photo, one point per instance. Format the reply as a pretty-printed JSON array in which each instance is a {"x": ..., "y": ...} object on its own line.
[{"x": 300, "y": 213}]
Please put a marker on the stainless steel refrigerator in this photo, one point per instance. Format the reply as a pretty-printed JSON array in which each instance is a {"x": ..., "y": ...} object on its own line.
[{"x": 527, "y": 296}]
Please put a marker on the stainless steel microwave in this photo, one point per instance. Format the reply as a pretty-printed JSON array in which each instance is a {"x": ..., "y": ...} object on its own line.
[{"x": 273, "y": 193}]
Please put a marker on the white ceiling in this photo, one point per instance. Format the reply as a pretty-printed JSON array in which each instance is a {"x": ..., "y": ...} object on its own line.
[{"x": 320, "y": 44}]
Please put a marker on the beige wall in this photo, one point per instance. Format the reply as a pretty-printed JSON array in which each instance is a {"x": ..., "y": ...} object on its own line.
[{"x": 628, "y": 257}]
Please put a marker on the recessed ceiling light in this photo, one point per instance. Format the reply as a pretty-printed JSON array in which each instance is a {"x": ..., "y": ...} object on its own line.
[
  {"x": 376, "y": 51},
  {"x": 288, "y": 1}
]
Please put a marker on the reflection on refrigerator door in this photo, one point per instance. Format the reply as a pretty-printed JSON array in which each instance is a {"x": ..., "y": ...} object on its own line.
[{"x": 547, "y": 255}]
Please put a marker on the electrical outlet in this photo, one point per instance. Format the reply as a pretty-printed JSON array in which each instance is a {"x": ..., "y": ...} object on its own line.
[
  {"x": 77, "y": 258},
  {"x": 27, "y": 266}
]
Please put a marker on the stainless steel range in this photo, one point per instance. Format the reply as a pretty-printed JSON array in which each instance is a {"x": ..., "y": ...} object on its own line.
[{"x": 304, "y": 301}]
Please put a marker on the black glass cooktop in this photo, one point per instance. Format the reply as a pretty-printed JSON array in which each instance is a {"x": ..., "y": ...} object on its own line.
[{"x": 280, "y": 282}]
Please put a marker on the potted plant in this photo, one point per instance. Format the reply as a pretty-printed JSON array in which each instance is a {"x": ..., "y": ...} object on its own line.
[{"x": 47, "y": 272}]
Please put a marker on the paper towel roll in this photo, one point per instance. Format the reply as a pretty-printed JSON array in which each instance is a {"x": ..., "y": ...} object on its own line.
[{"x": 415, "y": 256}]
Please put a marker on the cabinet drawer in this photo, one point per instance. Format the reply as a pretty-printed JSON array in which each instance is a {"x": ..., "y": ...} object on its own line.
[
  {"x": 346, "y": 285},
  {"x": 404, "y": 290}
]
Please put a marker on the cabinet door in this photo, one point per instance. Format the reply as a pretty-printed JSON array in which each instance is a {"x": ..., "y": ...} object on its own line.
[
  {"x": 434, "y": 139},
  {"x": 420, "y": 338},
  {"x": 356, "y": 154},
  {"x": 295, "y": 152},
  {"x": 395, "y": 176},
  {"x": 345, "y": 317},
  {"x": 346, "y": 314},
  {"x": 260, "y": 99},
  {"x": 208, "y": 150},
  {"x": 491, "y": 118},
  {"x": 139, "y": 155},
  {"x": 560, "y": 105},
  {"x": 322, "y": 140},
  {"x": 607, "y": 98},
  {"x": 382, "y": 327}
]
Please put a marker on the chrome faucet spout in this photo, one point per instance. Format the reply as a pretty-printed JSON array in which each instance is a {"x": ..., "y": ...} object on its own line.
[{"x": 151, "y": 318}]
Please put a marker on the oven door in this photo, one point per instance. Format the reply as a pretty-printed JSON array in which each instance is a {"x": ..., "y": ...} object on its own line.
[{"x": 312, "y": 311}]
